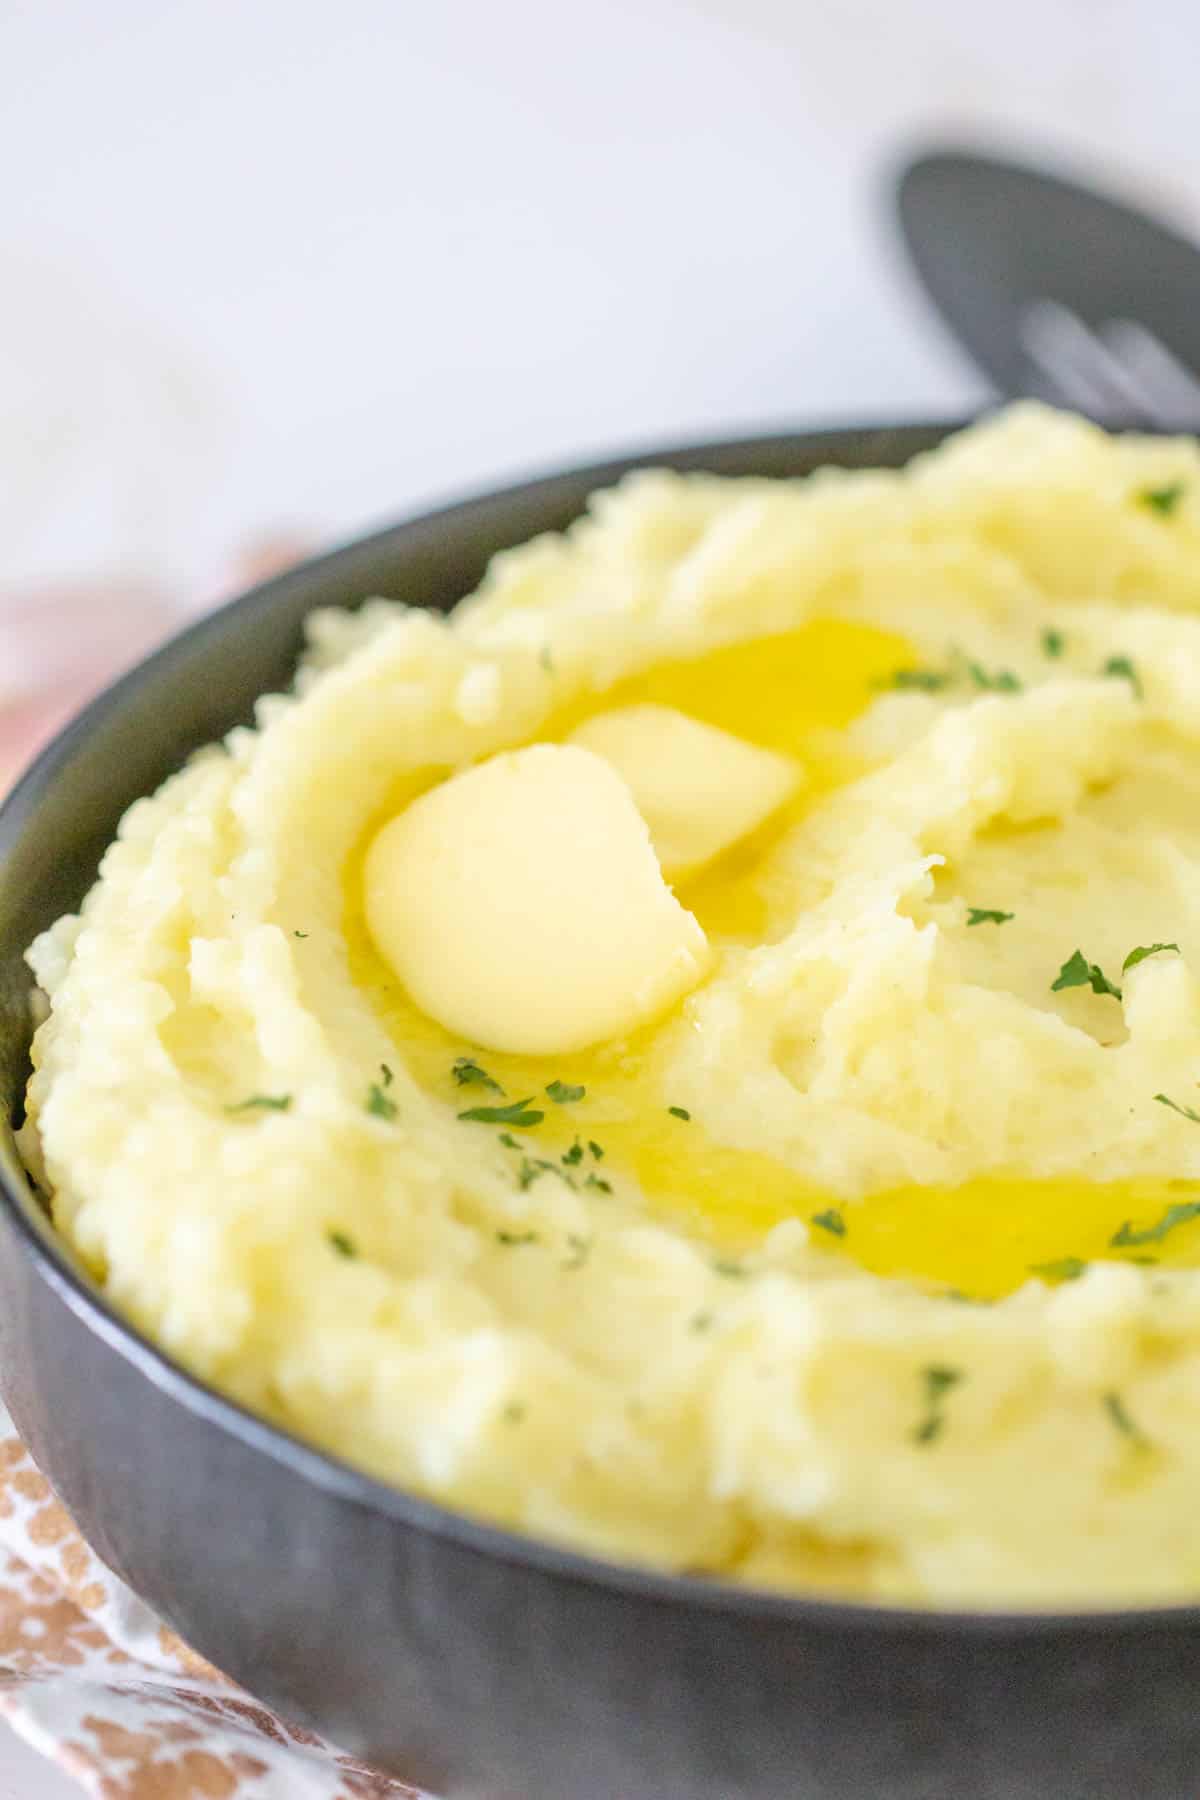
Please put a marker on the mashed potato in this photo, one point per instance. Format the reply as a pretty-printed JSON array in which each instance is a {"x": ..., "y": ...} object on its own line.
[{"x": 864, "y": 1260}]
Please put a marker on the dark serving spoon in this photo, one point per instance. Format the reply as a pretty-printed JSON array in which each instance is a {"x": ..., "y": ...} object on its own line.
[
  {"x": 1056, "y": 289},
  {"x": 451, "y": 1652}
]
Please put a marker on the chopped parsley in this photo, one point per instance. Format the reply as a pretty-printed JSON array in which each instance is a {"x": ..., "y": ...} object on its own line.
[
  {"x": 574, "y": 1155},
  {"x": 1077, "y": 971},
  {"x": 380, "y": 1105},
  {"x": 985, "y": 915},
  {"x": 509, "y": 1141},
  {"x": 531, "y": 1168},
  {"x": 1179, "y": 1214},
  {"x": 679, "y": 1112},
  {"x": 1143, "y": 951},
  {"x": 1118, "y": 1412},
  {"x": 937, "y": 1381},
  {"x": 344, "y": 1245},
  {"x": 1053, "y": 642},
  {"x": 1002, "y": 682},
  {"x": 726, "y": 1266},
  {"x": 546, "y": 659},
  {"x": 514, "y": 1239},
  {"x": 300, "y": 934},
  {"x": 514, "y": 1412},
  {"x": 921, "y": 681},
  {"x": 579, "y": 1248},
  {"x": 1163, "y": 499},
  {"x": 1122, "y": 667},
  {"x": 467, "y": 1073},
  {"x": 563, "y": 1093},
  {"x": 1063, "y": 1268},
  {"x": 598, "y": 1182},
  {"x": 701, "y": 1321},
  {"x": 596, "y": 1149},
  {"x": 831, "y": 1221},
  {"x": 262, "y": 1103},
  {"x": 517, "y": 1112},
  {"x": 1185, "y": 1112}
]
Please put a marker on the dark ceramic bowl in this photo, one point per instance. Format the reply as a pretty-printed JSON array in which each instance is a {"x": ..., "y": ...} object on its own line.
[{"x": 454, "y": 1654}]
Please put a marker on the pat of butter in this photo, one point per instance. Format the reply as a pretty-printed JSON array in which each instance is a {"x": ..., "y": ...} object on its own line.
[
  {"x": 522, "y": 905},
  {"x": 699, "y": 789}
]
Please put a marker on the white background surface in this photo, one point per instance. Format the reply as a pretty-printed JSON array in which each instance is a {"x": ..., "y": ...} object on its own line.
[{"x": 292, "y": 265}]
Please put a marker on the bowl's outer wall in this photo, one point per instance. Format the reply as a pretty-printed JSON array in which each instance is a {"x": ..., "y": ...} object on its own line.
[{"x": 452, "y": 1656}]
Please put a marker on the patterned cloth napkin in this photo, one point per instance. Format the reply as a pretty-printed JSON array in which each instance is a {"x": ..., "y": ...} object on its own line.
[{"x": 90, "y": 1677}]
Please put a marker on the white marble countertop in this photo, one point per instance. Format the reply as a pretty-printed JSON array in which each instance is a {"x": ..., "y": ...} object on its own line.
[{"x": 293, "y": 266}]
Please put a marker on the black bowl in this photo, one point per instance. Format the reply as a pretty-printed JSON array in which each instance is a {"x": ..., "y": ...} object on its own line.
[{"x": 451, "y": 1653}]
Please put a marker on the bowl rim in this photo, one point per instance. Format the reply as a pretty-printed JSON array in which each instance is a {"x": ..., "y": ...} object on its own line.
[{"x": 55, "y": 1264}]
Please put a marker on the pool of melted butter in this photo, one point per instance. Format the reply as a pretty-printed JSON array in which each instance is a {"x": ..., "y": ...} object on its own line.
[{"x": 979, "y": 1240}]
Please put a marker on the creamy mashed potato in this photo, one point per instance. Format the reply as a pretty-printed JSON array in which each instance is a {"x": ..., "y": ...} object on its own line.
[{"x": 864, "y": 1261}]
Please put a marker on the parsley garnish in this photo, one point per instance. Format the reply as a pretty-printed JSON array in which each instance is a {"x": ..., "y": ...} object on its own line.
[
  {"x": 1164, "y": 499},
  {"x": 1184, "y": 1112},
  {"x": 1116, "y": 1409},
  {"x": 596, "y": 1149},
  {"x": 513, "y": 1239},
  {"x": 262, "y": 1103},
  {"x": 517, "y": 1112},
  {"x": 509, "y": 1141},
  {"x": 1053, "y": 642},
  {"x": 700, "y": 1321},
  {"x": 1180, "y": 1214},
  {"x": 342, "y": 1244},
  {"x": 598, "y": 1182},
  {"x": 938, "y": 1381},
  {"x": 514, "y": 1412},
  {"x": 679, "y": 1112},
  {"x": 300, "y": 934},
  {"x": 1077, "y": 971},
  {"x": 831, "y": 1221},
  {"x": 1064, "y": 1268},
  {"x": 379, "y": 1104},
  {"x": 562, "y": 1093},
  {"x": 1123, "y": 667},
  {"x": 1142, "y": 952},
  {"x": 574, "y": 1155},
  {"x": 467, "y": 1073},
  {"x": 984, "y": 915},
  {"x": 923, "y": 681},
  {"x": 725, "y": 1266},
  {"x": 530, "y": 1169},
  {"x": 1002, "y": 682},
  {"x": 579, "y": 1248}
]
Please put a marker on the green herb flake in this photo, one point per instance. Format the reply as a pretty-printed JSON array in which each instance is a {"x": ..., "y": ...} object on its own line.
[
  {"x": 1077, "y": 971},
  {"x": 1063, "y": 1268},
  {"x": 517, "y": 1112},
  {"x": 509, "y": 1141},
  {"x": 1002, "y": 682},
  {"x": 1053, "y": 642},
  {"x": 985, "y": 915},
  {"x": 596, "y": 1150},
  {"x": 937, "y": 1381},
  {"x": 701, "y": 1321},
  {"x": 574, "y": 1155},
  {"x": 546, "y": 659},
  {"x": 598, "y": 1182},
  {"x": 513, "y": 1240},
  {"x": 921, "y": 681},
  {"x": 344, "y": 1245},
  {"x": 262, "y": 1103},
  {"x": 513, "y": 1413},
  {"x": 679, "y": 1112},
  {"x": 1163, "y": 500},
  {"x": 1118, "y": 1412},
  {"x": 299, "y": 934},
  {"x": 1123, "y": 669},
  {"x": 379, "y": 1104},
  {"x": 467, "y": 1073},
  {"x": 579, "y": 1248},
  {"x": 1142, "y": 952},
  {"x": 529, "y": 1171},
  {"x": 831, "y": 1221},
  {"x": 1185, "y": 1112},
  {"x": 725, "y": 1265},
  {"x": 1181, "y": 1213},
  {"x": 563, "y": 1093}
]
